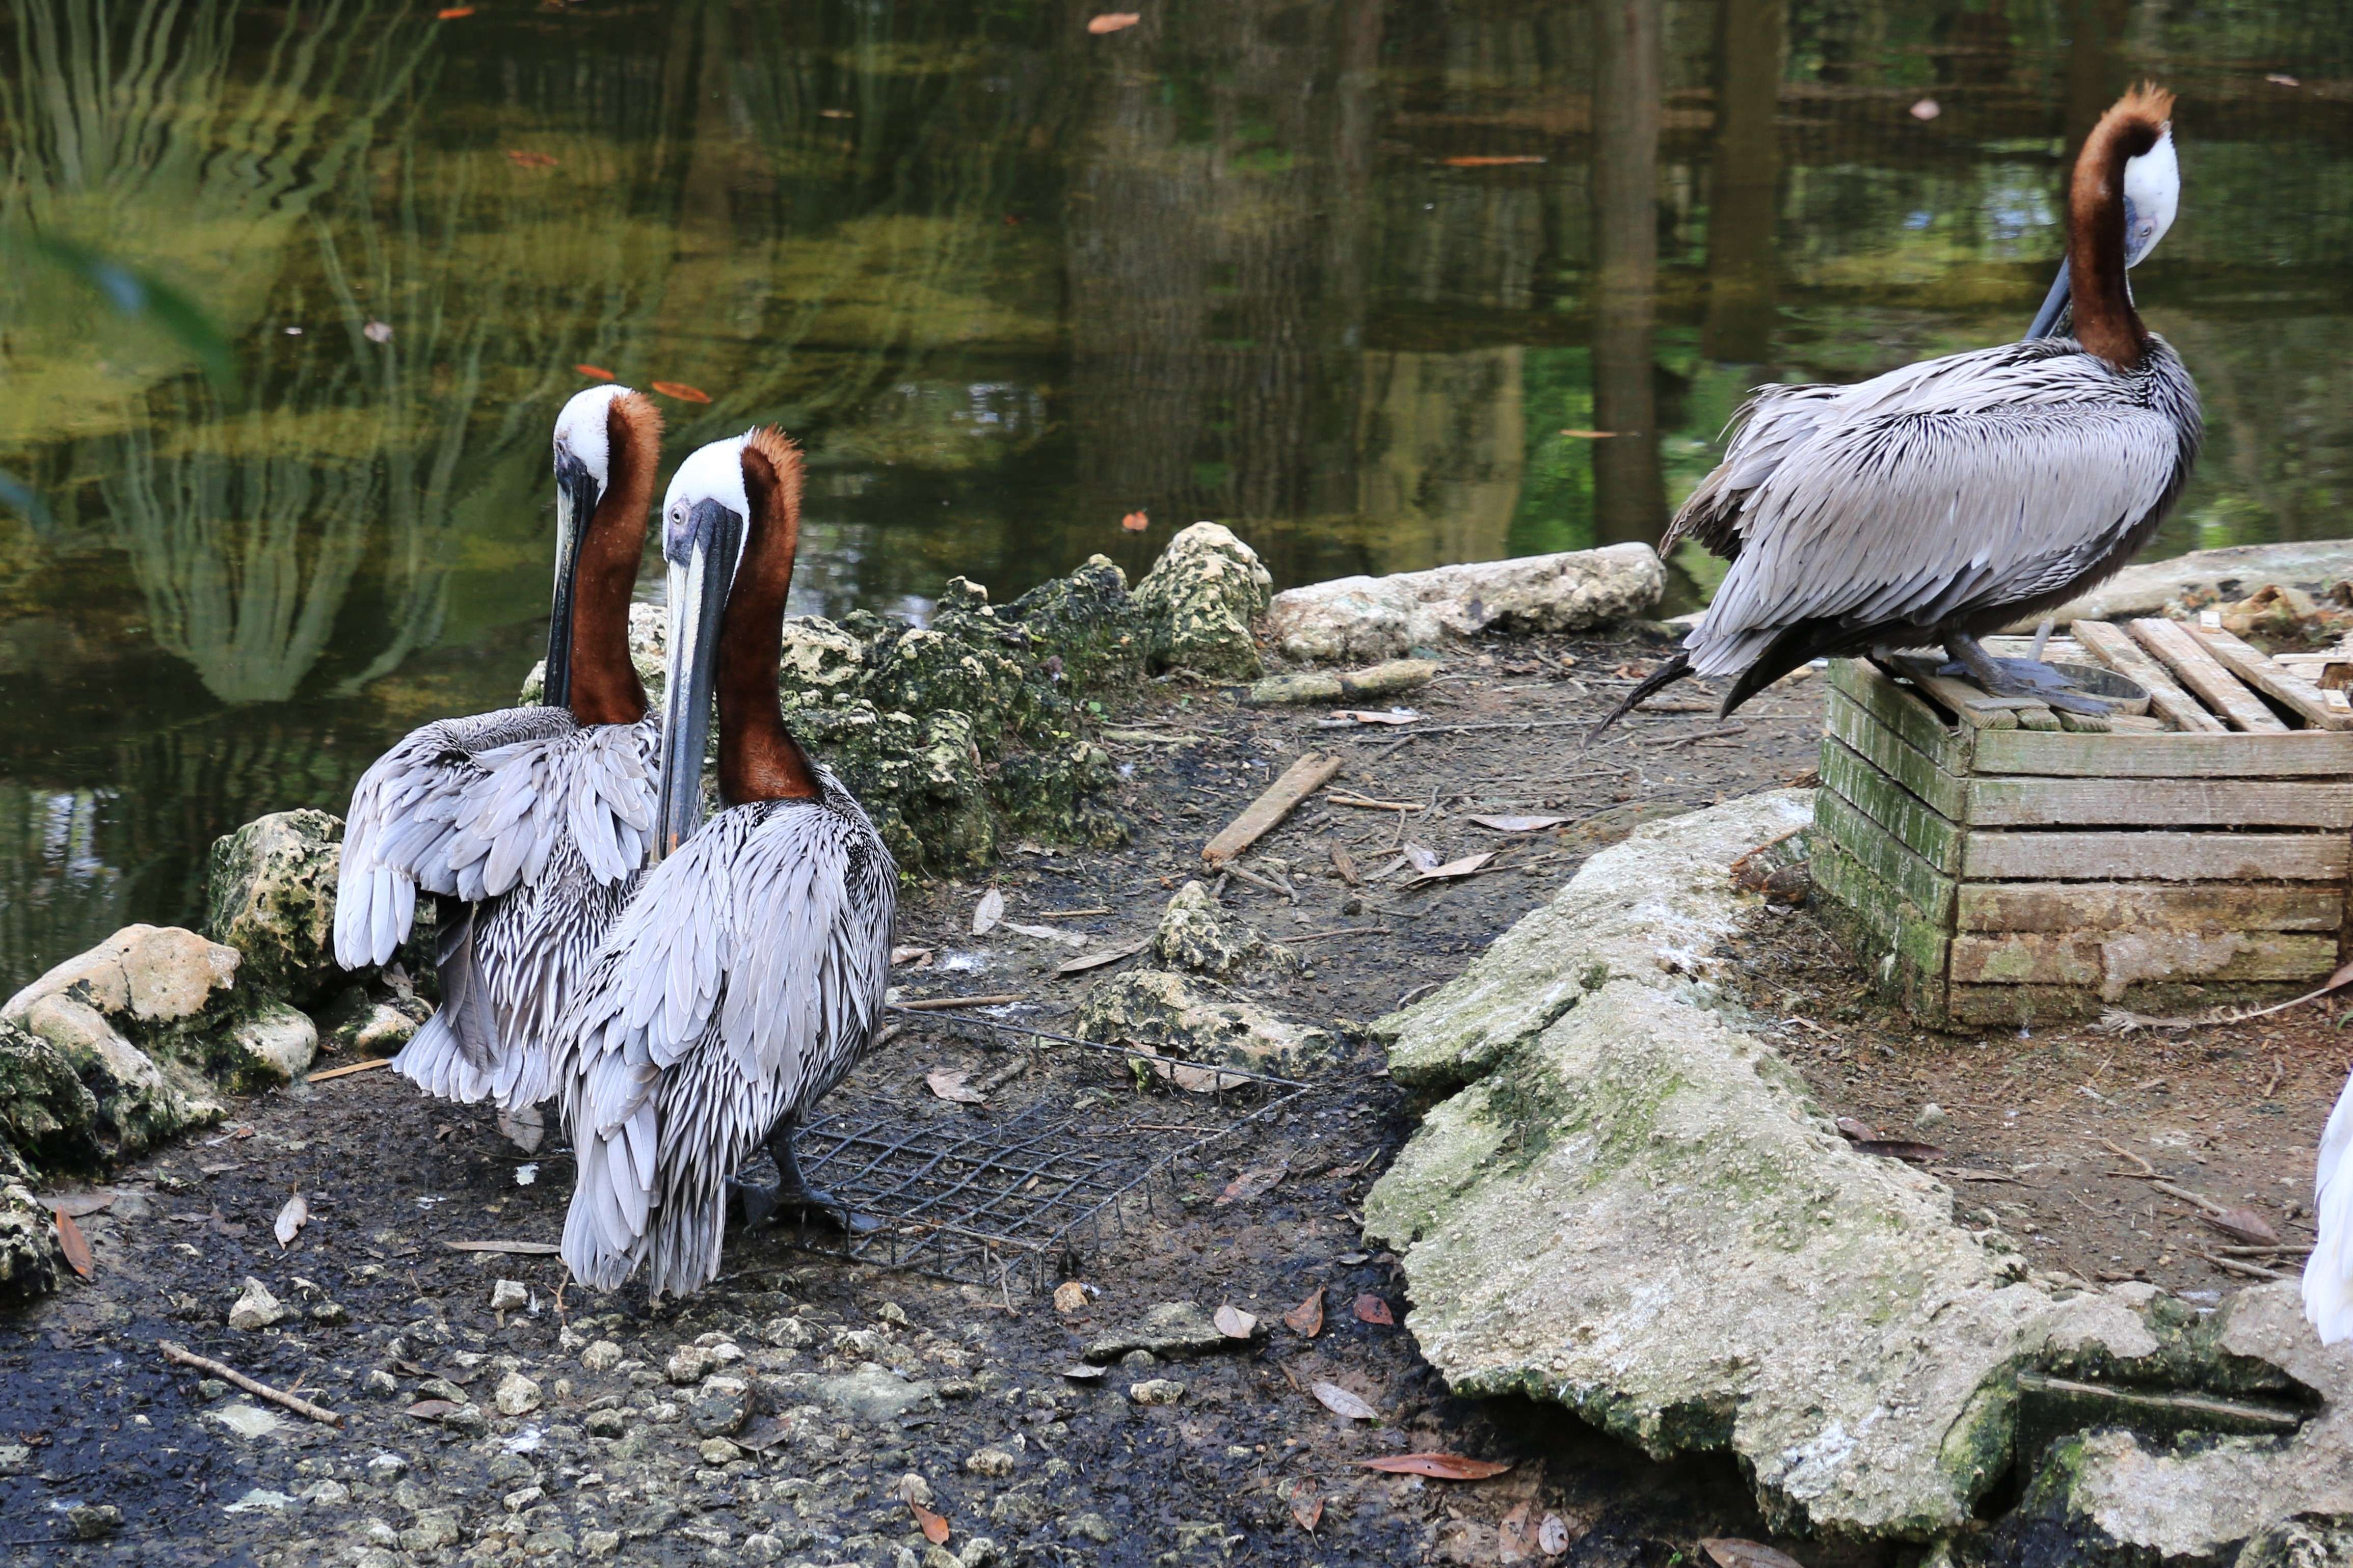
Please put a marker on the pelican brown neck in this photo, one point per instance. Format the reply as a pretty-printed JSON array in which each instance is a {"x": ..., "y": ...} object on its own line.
[
  {"x": 758, "y": 758},
  {"x": 604, "y": 688},
  {"x": 2106, "y": 322}
]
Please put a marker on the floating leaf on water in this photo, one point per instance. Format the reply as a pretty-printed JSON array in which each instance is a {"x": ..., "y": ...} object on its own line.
[
  {"x": 951, "y": 1086},
  {"x": 1731, "y": 1552},
  {"x": 1926, "y": 109},
  {"x": 291, "y": 1218},
  {"x": 1519, "y": 824},
  {"x": 76, "y": 1248},
  {"x": 988, "y": 912},
  {"x": 453, "y": 13},
  {"x": 680, "y": 390},
  {"x": 1444, "y": 1467},
  {"x": 1492, "y": 160},
  {"x": 1112, "y": 22},
  {"x": 935, "y": 1525},
  {"x": 1340, "y": 1402},
  {"x": 1307, "y": 1318},
  {"x": 1135, "y": 522},
  {"x": 594, "y": 372},
  {"x": 1233, "y": 1322},
  {"x": 377, "y": 331},
  {"x": 2278, "y": 81},
  {"x": 522, "y": 159},
  {"x": 1371, "y": 1309},
  {"x": 1307, "y": 1512}
]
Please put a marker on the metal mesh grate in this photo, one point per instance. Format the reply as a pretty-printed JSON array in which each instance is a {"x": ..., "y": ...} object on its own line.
[{"x": 1030, "y": 1197}]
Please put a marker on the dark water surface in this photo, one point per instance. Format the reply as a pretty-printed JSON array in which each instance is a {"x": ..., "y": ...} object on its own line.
[{"x": 1357, "y": 279}]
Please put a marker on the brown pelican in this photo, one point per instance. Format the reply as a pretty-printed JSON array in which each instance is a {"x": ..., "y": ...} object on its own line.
[
  {"x": 526, "y": 824},
  {"x": 747, "y": 974},
  {"x": 2328, "y": 1272},
  {"x": 1942, "y": 500}
]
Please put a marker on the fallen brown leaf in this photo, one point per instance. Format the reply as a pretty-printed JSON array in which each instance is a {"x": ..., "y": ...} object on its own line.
[
  {"x": 2243, "y": 1223},
  {"x": 291, "y": 1218},
  {"x": 1308, "y": 1514},
  {"x": 1371, "y": 1309},
  {"x": 1519, "y": 824},
  {"x": 951, "y": 1086},
  {"x": 1731, "y": 1552},
  {"x": 1233, "y": 1322},
  {"x": 1516, "y": 1535},
  {"x": 1096, "y": 960},
  {"x": 1307, "y": 1318},
  {"x": 1444, "y": 1467},
  {"x": 1135, "y": 522},
  {"x": 1899, "y": 1149},
  {"x": 680, "y": 390},
  {"x": 224, "y": 1225},
  {"x": 919, "y": 956},
  {"x": 1340, "y": 1402},
  {"x": 1084, "y": 1373},
  {"x": 431, "y": 1409},
  {"x": 1420, "y": 857},
  {"x": 1857, "y": 1131},
  {"x": 1112, "y": 22},
  {"x": 76, "y": 1248},
  {"x": 81, "y": 1204},
  {"x": 1463, "y": 868},
  {"x": 988, "y": 912},
  {"x": 1254, "y": 1183},
  {"x": 935, "y": 1526}
]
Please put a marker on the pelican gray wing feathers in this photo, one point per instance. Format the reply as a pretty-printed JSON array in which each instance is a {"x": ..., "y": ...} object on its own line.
[{"x": 743, "y": 981}]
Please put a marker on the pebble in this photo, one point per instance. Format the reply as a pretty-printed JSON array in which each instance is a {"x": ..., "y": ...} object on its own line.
[
  {"x": 210, "y": 1388},
  {"x": 762, "y": 1548},
  {"x": 516, "y": 1396},
  {"x": 717, "y": 1451},
  {"x": 88, "y": 1523},
  {"x": 516, "y": 1501},
  {"x": 382, "y": 1384},
  {"x": 914, "y": 1488},
  {"x": 255, "y": 1307},
  {"x": 1092, "y": 1526},
  {"x": 325, "y": 1494},
  {"x": 1137, "y": 1360},
  {"x": 602, "y": 1356},
  {"x": 688, "y": 1363},
  {"x": 509, "y": 1296},
  {"x": 1932, "y": 1117},
  {"x": 386, "y": 1468},
  {"x": 377, "y": 1532},
  {"x": 606, "y": 1423},
  {"x": 600, "y": 1544},
  {"x": 330, "y": 1313},
  {"x": 995, "y": 1463},
  {"x": 1157, "y": 1391}
]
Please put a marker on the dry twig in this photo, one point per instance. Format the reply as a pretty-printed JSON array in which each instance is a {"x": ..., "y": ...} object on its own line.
[{"x": 255, "y": 1386}]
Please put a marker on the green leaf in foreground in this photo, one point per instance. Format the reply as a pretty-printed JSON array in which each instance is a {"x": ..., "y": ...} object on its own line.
[
  {"x": 18, "y": 496},
  {"x": 144, "y": 297}
]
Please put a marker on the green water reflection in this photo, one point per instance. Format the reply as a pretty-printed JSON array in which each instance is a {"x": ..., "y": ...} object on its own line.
[{"x": 1007, "y": 281}]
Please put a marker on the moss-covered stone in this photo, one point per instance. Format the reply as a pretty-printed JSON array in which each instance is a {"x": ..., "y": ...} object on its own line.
[
  {"x": 1059, "y": 790},
  {"x": 1200, "y": 601},
  {"x": 919, "y": 778},
  {"x": 1087, "y": 628},
  {"x": 270, "y": 894},
  {"x": 1199, "y": 1020},
  {"x": 27, "y": 1257},
  {"x": 1194, "y": 933},
  {"x": 46, "y": 1114}
]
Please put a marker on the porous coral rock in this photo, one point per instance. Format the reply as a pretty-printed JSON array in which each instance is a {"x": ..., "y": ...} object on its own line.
[
  {"x": 1354, "y": 618},
  {"x": 1200, "y": 601},
  {"x": 272, "y": 1046},
  {"x": 1088, "y": 625},
  {"x": 1199, "y": 1021},
  {"x": 27, "y": 1257},
  {"x": 46, "y": 1114},
  {"x": 1195, "y": 933},
  {"x": 270, "y": 894}
]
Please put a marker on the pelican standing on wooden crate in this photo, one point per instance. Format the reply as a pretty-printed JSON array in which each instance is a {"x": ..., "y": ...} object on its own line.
[
  {"x": 525, "y": 825},
  {"x": 1944, "y": 500},
  {"x": 747, "y": 974}
]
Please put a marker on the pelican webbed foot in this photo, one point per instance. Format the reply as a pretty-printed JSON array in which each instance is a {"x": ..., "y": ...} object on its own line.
[
  {"x": 2029, "y": 677},
  {"x": 795, "y": 1191}
]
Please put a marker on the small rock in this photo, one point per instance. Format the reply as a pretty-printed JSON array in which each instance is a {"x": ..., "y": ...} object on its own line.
[
  {"x": 211, "y": 1388},
  {"x": 1139, "y": 1361},
  {"x": 522, "y": 1498},
  {"x": 331, "y": 1315},
  {"x": 761, "y": 1547},
  {"x": 786, "y": 1333},
  {"x": 599, "y": 1543},
  {"x": 1172, "y": 1328},
  {"x": 913, "y": 1490},
  {"x": 255, "y": 1307},
  {"x": 1092, "y": 1527},
  {"x": 1156, "y": 1391},
  {"x": 716, "y": 1451},
  {"x": 509, "y": 1296},
  {"x": 435, "y": 1527},
  {"x": 325, "y": 1494},
  {"x": 516, "y": 1396},
  {"x": 466, "y": 1420},
  {"x": 385, "y": 1469},
  {"x": 92, "y": 1521},
  {"x": 606, "y": 1423},
  {"x": 980, "y": 1552},
  {"x": 993, "y": 1463},
  {"x": 721, "y": 1409},
  {"x": 1933, "y": 1117},
  {"x": 382, "y": 1384},
  {"x": 688, "y": 1365},
  {"x": 375, "y": 1557},
  {"x": 377, "y": 1532},
  {"x": 604, "y": 1355}
]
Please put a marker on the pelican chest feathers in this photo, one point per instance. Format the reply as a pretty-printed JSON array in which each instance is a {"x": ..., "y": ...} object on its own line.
[
  {"x": 525, "y": 825},
  {"x": 1946, "y": 500},
  {"x": 746, "y": 976}
]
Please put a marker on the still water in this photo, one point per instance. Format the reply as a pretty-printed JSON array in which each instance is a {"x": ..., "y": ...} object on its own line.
[{"x": 1362, "y": 279}]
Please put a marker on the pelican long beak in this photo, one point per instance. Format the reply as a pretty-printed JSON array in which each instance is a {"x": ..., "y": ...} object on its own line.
[
  {"x": 697, "y": 600},
  {"x": 2054, "y": 305},
  {"x": 575, "y": 500}
]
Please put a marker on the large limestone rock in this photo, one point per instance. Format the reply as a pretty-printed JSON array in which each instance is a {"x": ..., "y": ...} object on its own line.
[
  {"x": 2233, "y": 572},
  {"x": 270, "y": 894},
  {"x": 1199, "y": 1020},
  {"x": 1363, "y": 618},
  {"x": 1199, "y": 602},
  {"x": 1631, "y": 1207}
]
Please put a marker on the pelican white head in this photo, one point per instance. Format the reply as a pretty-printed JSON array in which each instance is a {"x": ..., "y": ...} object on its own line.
[
  {"x": 583, "y": 465},
  {"x": 705, "y": 518},
  {"x": 2152, "y": 196}
]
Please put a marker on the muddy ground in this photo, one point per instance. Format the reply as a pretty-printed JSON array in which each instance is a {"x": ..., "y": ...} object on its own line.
[{"x": 854, "y": 1377}]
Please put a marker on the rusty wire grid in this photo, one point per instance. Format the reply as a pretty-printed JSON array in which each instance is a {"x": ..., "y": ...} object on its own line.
[{"x": 1025, "y": 1198}]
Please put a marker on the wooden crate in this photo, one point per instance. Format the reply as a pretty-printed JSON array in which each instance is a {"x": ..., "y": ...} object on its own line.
[{"x": 1988, "y": 864}]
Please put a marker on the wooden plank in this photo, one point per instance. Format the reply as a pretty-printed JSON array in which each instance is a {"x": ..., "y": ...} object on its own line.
[
  {"x": 2113, "y": 648},
  {"x": 1886, "y": 856},
  {"x": 1934, "y": 838},
  {"x": 2212, "y": 755},
  {"x": 1900, "y": 709},
  {"x": 1859, "y": 732},
  {"x": 2124, "y": 906},
  {"x": 2250, "y": 665},
  {"x": 2012, "y": 1005},
  {"x": 1904, "y": 956},
  {"x": 2187, "y": 657},
  {"x": 2058, "y": 958},
  {"x": 2158, "y": 803},
  {"x": 2064, "y": 856},
  {"x": 1300, "y": 780}
]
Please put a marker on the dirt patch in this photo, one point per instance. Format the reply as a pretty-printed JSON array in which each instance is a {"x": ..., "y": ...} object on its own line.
[
  {"x": 827, "y": 1383},
  {"x": 2060, "y": 1136}
]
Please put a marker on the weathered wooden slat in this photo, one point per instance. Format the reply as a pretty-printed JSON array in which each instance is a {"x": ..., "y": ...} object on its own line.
[
  {"x": 1880, "y": 853},
  {"x": 1905, "y": 956},
  {"x": 2012, "y": 1005},
  {"x": 2112, "y": 647},
  {"x": 1965, "y": 702},
  {"x": 2251, "y": 665},
  {"x": 2065, "y": 856},
  {"x": 2037, "y": 717},
  {"x": 1934, "y": 838},
  {"x": 2017, "y": 801},
  {"x": 1862, "y": 735},
  {"x": 2212, "y": 754},
  {"x": 2063, "y": 649},
  {"x": 2187, "y": 657},
  {"x": 2125, "y": 905},
  {"x": 1900, "y": 709},
  {"x": 2052, "y": 958}
]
